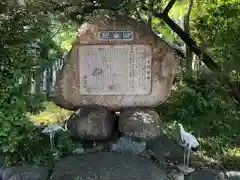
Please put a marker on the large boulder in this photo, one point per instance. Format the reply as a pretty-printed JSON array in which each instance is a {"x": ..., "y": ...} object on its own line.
[
  {"x": 116, "y": 62},
  {"x": 141, "y": 123},
  {"x": 106, "y": 165},
  {"x": 92, "y": 123}
]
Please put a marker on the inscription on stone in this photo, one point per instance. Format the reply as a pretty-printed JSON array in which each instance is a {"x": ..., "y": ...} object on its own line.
[
  {"x": 116, "y": 35},
  {"x": 115, "y": 69}
]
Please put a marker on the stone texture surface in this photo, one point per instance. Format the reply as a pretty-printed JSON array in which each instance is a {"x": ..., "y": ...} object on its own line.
[
  {"x": 143, "y": 123},
  {"x": 164, "y": 60},
  {"x": 106, "y": 165},
  {"x": 229, "y": 175},
  {"x": 92, "y": 123},
  {"x": 206, "y": 174},
  {"x": 175, "y": 175},
  {"x": 128, "y": 145},
  {"x": 165, "y": 149},
  {"x": 83, "y": 150},
  {"x": 25, "y": 173}
]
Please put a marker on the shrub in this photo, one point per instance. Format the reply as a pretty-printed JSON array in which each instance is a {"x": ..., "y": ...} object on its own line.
[
  {"x": 19, "y": 138},
  {"x": 22, "y": 26}
]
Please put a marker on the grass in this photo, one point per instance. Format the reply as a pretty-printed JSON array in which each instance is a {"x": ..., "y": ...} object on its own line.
[{"x": 53, "y": 114}]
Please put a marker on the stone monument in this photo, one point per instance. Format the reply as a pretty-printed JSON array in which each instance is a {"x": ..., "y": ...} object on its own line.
[{"x": 119, "y": 64}]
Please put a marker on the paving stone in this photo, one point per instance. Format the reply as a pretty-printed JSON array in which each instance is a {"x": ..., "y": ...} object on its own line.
[{"x": 107, "y": 166}]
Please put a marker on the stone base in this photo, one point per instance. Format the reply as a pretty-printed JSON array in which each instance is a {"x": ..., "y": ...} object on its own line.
[{"x": 185, "y": 170}]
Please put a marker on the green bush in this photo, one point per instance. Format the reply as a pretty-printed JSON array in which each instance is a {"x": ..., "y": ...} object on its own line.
[
  {"x": 21, "y": 140},
  {"x": 202, "y": 103},
  {"x": 22, "y": 26}
]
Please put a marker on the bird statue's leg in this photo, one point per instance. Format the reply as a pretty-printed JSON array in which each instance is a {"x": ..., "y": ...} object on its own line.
[
  {"x": 184, "y": 156},
  {"x": 188, "y": 156},
  {"x": 51, "y": 140},
  {"x": 65, "y": 126}
]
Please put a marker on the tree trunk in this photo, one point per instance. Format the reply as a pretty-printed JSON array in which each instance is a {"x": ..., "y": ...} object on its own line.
[
  {"x": 149, "y": 22},
  {"x": 189, "y": 54},
  {"x": 38, "y": 80},
  {"x": 49, "y": 81},
  {"x": 203, "y": 48}
]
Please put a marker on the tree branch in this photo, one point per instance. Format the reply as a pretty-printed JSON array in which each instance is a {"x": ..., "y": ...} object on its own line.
[
  {"x": 168, "y": 7},
  {"x": 187, "y": 39},
  {"x": 191, "y": 43},
  {"x": 184, "y": 36}
]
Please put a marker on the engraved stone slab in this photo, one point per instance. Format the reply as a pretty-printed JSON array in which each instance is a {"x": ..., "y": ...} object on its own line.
[
  {"x": 115, "y": 69},
  {"x": 108, "y": 66}
]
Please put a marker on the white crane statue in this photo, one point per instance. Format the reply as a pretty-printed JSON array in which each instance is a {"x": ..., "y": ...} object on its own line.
[
  {"x": 51, "y": 129},
  {"x": 189, "y": 142}
]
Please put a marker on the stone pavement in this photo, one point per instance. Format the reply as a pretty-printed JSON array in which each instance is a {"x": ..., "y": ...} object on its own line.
[
  {"x": 111, "y": 166},
  {"x": 131, "y": 159}
]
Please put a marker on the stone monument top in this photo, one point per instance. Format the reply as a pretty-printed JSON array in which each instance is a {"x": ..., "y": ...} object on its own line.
[{"x": 116, "y": 63}]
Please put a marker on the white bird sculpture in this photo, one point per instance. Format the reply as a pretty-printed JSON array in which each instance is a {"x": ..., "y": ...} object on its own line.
[
  {"x": 51, "y": 129},
  {"x": 189, "y": 142}
]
